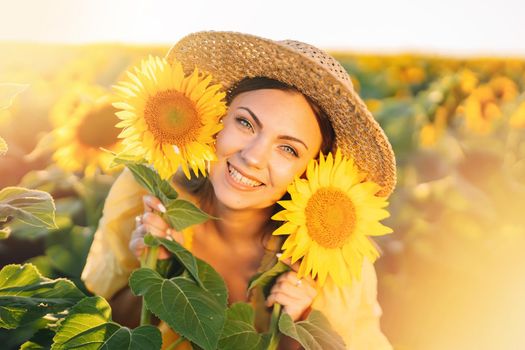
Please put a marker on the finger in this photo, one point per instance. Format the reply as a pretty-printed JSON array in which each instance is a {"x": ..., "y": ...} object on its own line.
[
  {"x": 155, "y": 224},
  {"x": 291, "y": 277},
  {"x": 283, "y": 299},
  {"x": 294, "y": 305},
  {"x": 138, "y": 247},
  {"x": 136, "y": 242},
  {"x": 295, "y": 290},
  {"x": 152, "y": 203}
]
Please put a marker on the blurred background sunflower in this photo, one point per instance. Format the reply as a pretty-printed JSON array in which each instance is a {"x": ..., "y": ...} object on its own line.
[{"x": 85, "y": 130}]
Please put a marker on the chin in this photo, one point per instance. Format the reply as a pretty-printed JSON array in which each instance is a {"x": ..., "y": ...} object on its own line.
[{"x": 240, "y": 201}]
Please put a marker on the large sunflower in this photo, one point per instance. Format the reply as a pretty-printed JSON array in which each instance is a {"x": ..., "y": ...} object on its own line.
[
  {"x": 329, "y": 218},
  {"x": 86, "y": 127},
  {"x": 169, "y": 119}
]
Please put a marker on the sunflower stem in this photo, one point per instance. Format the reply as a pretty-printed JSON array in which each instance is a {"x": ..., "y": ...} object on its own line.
[
  {"x": 274, "y": 327},
  {"x": 148, "y": 260}
]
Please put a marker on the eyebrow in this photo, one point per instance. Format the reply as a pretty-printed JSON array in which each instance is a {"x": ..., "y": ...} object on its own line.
[{"x": 259, "y": 124}]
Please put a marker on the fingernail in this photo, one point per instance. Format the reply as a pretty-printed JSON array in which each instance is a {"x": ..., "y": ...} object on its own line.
[
  {"x": 162, "y": 208},
  {"x": 168, "y": 237},
  {"x": 278, "y": 255}
]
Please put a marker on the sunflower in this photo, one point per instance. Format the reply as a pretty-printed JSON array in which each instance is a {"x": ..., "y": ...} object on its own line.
[
  {"x": 481, "y": 110},
  {"x": 169, "y": 119},
  {"x": 328, "y": 219},
  {"x": 431, "y": 132},
  {"x": 89, "y": 128}
]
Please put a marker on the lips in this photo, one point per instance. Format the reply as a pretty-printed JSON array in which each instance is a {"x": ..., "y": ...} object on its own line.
[{"x": 242, "y": 179}]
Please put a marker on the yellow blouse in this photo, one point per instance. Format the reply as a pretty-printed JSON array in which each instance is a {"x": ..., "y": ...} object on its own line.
[{"x": 353, "y": 311}]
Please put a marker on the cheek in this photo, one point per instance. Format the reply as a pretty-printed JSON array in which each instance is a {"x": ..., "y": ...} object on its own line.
[
  {"x": 283, "y": 176},
  {"x": 224, "y": 142},
  {"x": 229, "y": 140}
]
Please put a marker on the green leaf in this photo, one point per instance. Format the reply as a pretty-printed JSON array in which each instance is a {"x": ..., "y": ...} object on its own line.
[
  {"x": 89, "y": 326},
  {"x": 190, "y": 310},
  {"x": 181, "y": 214},
  {"x": 149, "y": 179},
  {"x": 182, "y": 255},
  {"x": 8, "y": 92},
  {"x": 3, "y": 147},
  {"x": 241, "y": 312},
  {"x": 239, "y": 331},
  {"x": 26, "y": 296},
  {"x": 42, "y": 340},
  {"x": 4, "y": 233},
  {"x": 33, "y": 207},
  {"x": 213, "y": 282},
  {"x": 68, "y": 249},
  {"x": 313, "y": 333},
  {"x": 43, "y": 265},
  {"x": 266, "y": 279}
]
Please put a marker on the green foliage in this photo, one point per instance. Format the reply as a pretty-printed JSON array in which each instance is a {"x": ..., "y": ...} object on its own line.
[
  {"x": 89, "y": 326},
  {"x": 239, "y": 331},
  {"x": 180, "y": 213},
  {"x": 213, "y": 282},
  {"x": 4, "y": 232},
  {"x": 67, "y": 250},
  {"x": 266, "y": 279},
  {"x": 181, "y": 254},
  {"x": 148, "y": 178},
  {"x": 42, "y": 340},
  {"x": 314, "y": 333},
  {"x": 25, "y": 295},
  {"x": 193, "y": 312},
  {"x": 32, "y": 207}
]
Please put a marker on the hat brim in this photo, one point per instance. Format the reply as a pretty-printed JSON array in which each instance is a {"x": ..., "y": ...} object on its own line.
[{"x": 230, "y": 57}]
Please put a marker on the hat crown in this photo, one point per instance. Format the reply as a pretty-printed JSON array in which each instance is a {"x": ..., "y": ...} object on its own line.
[{"x": 321, "y": 58}]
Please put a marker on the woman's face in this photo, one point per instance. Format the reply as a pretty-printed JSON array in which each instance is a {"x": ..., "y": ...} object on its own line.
[{"x": 269, "y": 136}]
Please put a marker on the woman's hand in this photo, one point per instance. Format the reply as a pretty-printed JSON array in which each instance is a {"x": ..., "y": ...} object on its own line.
[
  {"x": 294, "y": 294},
  {"x": 150, "y": 222}
]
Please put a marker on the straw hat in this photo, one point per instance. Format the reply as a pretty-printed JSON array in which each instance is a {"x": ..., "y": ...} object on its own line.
[{"x": 231, "y": 56}]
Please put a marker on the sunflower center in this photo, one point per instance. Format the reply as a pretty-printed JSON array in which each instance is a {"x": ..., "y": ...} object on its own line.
[
  {"x": 172, "y": 118},
  {"x": 97, "y": 128},
  {"x": 330, "y": 217}
]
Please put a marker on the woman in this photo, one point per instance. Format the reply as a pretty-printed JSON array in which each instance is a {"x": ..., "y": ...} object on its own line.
[{"x": 287, "y": 101}]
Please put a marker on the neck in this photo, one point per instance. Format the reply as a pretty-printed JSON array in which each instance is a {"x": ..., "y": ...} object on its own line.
[{"x": 240, "y": 226}]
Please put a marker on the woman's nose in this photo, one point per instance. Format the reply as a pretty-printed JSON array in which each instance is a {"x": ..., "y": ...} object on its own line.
[{"x": 256, "y": 153}]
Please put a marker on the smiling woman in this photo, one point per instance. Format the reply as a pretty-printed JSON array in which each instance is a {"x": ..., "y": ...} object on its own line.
[
  {"x": 269, "y": 136},
  {"x": 287, "y": 102}
]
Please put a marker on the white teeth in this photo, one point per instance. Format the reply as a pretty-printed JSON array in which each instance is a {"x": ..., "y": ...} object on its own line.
[{"x": 242, "y": 179}]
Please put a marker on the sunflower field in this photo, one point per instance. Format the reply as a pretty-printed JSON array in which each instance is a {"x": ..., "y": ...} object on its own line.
[{"x": 451, "y": 276}]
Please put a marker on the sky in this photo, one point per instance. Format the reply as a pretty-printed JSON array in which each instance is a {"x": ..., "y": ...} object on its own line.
[{"x": 455, "y": 27}]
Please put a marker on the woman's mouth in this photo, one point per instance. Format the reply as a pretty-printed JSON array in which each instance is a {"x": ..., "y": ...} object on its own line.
[{"x": 241, "y": 179}]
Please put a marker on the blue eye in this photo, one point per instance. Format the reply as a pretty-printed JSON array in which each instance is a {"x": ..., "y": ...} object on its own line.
[
  {"x": 244, "y": 123},
  {"x": 289, "y": 149}
]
